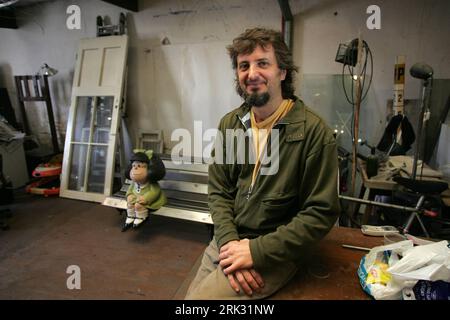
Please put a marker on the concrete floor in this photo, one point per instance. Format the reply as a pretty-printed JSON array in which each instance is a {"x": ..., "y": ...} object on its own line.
[{"x": 47, "y": 235}]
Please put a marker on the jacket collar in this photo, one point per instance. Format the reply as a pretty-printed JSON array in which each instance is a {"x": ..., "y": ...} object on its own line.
[{"x": 295, "y": 115}]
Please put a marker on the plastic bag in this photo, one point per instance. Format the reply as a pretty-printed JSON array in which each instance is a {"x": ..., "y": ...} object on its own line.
[{"x": 392, "y": 271}]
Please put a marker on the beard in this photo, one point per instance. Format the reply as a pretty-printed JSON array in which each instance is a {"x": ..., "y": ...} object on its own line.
[
  {"x": 252, "y": 99},
  {"x": 256, "y": 99}
]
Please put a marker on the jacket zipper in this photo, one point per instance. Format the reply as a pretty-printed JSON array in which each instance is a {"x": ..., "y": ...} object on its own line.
[
  {"x": 250, "y": 189},
  {"x": 249, "y": 192}
]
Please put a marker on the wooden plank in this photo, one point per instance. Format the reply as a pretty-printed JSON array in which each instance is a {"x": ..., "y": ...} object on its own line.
[
  {"x": 26, "y": 88},
  {"x": 20, "y": 98},
  {"x": 33, "y": 99}
]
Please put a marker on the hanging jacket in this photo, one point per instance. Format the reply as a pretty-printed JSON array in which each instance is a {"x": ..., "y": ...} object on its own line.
[{"x": 390, "y": 135}]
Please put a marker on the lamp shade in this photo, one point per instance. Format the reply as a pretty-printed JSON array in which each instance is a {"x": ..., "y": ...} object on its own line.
[{"x": 47, "y": 70}]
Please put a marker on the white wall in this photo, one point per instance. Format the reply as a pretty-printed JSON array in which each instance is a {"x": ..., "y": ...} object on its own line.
[{"x": 170, "y": 86}]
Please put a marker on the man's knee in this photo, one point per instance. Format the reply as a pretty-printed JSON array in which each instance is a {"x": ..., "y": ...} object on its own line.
[{"x": 214, "y": 286}]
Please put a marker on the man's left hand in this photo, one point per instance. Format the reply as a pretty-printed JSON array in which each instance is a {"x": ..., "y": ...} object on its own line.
[
  {"x": 235, "y": 255},
  {"x": 249, "y": 280}
]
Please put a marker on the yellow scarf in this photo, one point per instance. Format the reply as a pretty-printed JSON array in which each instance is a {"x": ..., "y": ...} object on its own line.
[{"x": 262, "y": 129}]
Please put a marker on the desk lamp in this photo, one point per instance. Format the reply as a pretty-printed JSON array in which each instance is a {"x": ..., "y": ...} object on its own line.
[
  {"x": 46, "y": 70},
  {"x": 425, "y": 73}
]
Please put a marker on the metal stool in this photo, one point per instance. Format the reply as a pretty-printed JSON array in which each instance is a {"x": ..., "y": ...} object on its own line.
[{"x": 422, "y": 189}]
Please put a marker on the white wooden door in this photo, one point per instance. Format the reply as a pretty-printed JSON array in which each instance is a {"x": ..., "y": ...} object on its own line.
[{"x": 94, "y": 117}]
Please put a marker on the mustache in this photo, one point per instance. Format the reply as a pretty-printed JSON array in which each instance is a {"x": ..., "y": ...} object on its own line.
[{"x": 251, "y": 82}]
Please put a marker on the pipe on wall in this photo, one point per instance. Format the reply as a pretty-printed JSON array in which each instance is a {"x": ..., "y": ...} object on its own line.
[{"x": 287, "y": 23}]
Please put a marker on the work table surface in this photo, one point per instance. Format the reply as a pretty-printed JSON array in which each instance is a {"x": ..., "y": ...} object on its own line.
[{"x": 331, "y": 271}]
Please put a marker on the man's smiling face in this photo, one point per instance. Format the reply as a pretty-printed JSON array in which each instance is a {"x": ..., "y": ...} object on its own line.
[{"x": 259, "y": 76}]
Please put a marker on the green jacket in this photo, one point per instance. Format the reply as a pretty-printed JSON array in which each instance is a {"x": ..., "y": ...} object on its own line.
[
  {"x": 284, "y": 214},
  {"x": 154, "y": 197}
]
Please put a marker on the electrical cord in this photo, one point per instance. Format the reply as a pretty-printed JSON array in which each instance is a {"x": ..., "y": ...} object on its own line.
[{"x": 367, "y": 53}]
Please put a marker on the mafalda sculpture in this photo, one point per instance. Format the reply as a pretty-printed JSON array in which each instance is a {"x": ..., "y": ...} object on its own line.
[{"x": 144, "y": 193}]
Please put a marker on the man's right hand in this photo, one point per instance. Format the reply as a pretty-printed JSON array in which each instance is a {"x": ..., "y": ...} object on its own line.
[{"x": 247, "y": 279}]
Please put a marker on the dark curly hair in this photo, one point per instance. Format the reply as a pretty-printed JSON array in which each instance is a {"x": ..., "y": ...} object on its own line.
[
  {"x": 247, "y": 42},
  {"x": 156, "y": 168}
]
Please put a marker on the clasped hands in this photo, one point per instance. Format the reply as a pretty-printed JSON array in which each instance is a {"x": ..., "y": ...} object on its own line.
[
  {"x": 136, "y": 199},
  {"x": 236, "y": 262}
]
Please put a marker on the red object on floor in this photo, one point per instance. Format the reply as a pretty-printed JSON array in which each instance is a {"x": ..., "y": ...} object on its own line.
[{"x": 49, "y": 173}]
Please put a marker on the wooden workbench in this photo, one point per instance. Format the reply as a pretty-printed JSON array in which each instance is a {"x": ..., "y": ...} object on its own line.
[{"x": 331, "y": 272}]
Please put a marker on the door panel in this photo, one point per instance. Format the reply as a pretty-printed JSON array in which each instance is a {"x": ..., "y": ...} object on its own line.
[
  {"x": 89, "y": 151},
  {"x": 89, "y": 72},
  {"x": 110, "y": 74}
]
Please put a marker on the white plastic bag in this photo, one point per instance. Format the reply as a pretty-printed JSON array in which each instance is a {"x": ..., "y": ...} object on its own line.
[{"x": 388, "y": 270}]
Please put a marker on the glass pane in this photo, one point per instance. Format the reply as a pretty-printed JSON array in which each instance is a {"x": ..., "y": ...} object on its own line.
[
  {"x": 103, "y": 117},
  {"x": 83, "y": 119},
  {"x": 325, "y": 95},
  {"x": 77, "y": 168},
  {"x": 97, "y": 169}
]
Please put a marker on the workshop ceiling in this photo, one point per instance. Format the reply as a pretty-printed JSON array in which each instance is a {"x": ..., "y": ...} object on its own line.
[
  {"x": 8, "y": 11},
  {"x": 8, "y": 7},
  {"x": 19, "y": 3},
  {"x": 127, "y": 4}
]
